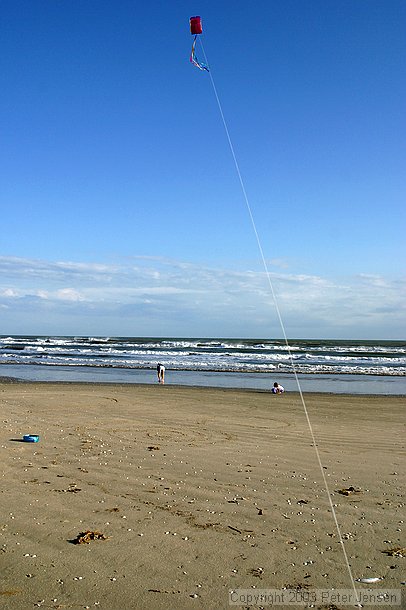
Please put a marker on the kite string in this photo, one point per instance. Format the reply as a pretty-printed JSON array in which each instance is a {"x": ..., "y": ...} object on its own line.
[{"x": 268, "y": 275}]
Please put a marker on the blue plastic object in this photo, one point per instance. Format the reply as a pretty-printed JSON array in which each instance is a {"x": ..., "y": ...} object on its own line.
[{"x": 31, "y": 438}]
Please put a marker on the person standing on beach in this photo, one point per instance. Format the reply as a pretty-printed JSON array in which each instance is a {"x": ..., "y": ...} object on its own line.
[
  {"x": 160, "y": 369},
  {"x": 277, "y": 388}
]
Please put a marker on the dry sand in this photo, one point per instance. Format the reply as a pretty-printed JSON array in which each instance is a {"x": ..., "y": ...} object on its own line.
[{"x": 198, "y": 490}]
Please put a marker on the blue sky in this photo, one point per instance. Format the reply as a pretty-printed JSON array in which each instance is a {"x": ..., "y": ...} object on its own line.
[{"x": 122, "y": 213}]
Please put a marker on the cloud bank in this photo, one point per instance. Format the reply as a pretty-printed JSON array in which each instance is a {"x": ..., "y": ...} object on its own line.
[{"x": 148, "y": 296}]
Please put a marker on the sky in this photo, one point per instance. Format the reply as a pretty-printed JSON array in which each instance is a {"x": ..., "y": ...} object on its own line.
[{"x": 122, "y": 213}]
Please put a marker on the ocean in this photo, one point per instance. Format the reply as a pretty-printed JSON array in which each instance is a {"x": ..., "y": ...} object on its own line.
[{"x": 361, "y": 367}]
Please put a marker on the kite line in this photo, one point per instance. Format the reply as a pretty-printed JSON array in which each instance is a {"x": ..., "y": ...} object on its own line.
[{"x": 196, "y": 29}]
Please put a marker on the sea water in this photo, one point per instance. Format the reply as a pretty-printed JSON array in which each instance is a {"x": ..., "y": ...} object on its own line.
[{"x": 367, "y": 367}]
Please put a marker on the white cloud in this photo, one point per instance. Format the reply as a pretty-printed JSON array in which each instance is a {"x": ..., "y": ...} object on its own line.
[
  {"x": 151, "y": 295},
  {"x": 8, "y": 292},
  {"x": 42, "y": 294},
  {"x": 69, "y": 294}
]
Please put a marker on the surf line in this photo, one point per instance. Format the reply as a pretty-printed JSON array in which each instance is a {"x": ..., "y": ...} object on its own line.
[{"x": 282, "y": 325}]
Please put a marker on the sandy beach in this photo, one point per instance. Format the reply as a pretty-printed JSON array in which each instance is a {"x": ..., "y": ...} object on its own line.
[{"x": 191, "y": 492}]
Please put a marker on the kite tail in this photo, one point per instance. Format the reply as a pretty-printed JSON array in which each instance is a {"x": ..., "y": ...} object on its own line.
[{"x": 194, "y": 59}]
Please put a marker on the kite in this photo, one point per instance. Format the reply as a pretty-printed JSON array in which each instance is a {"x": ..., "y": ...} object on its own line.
[{"x": 195, "y": 30}]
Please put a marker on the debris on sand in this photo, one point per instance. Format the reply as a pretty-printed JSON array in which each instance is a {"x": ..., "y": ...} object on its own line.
[
  {"x": 299, "y": 586},
  {"x": 88, "y": 536},
  {"x": 397, "y": 551},
  {"x": 348, "y": 491},
  {"x": 258, "y": 572}
]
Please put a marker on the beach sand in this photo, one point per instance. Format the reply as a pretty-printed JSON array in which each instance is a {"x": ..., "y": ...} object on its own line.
[{"x": 197, "y": 491}]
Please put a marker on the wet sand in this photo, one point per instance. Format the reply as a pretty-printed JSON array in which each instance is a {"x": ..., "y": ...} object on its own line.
[{"x": 196, "y": 490}]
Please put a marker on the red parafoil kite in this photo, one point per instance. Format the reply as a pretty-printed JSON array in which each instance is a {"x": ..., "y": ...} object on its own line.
[
  {"x": 196, "y": 25},
  {"x": 195, "y": 30}
]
